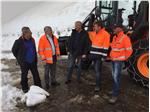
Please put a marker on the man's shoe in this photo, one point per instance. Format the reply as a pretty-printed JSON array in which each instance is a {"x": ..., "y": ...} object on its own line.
[
  {"x": 47, "y": 87},
  {"x": 97, "y": 89},
  {"x": 79, "y": 81},
  {"x": 55, "y": 84},
  {"x": 105, "y": 96},
  {"x": 68, "y": 82},
  {"x": 39, "y": 85},
  {"x": 113, "y": 99},
  {"x": 25, "y": 91},
  {"x": 110, "y": 92}
]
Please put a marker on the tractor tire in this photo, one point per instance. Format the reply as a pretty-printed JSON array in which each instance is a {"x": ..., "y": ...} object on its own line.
[{"x": 138, "y": 63}]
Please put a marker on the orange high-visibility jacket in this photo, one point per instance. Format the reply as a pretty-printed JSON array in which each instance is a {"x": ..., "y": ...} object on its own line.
[
  {"x": 121, "y": 48},
  {"x": 45, "y": 49},
  {"x": 100, "y": 43},
  {"x": 92, "y": 35}
]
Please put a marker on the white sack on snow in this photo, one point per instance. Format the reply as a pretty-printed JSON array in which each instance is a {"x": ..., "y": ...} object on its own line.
[
  {"x": 34, "y": 99},
  {"x": 35, "y": 96},
  {"x": 38, "y": 90}
]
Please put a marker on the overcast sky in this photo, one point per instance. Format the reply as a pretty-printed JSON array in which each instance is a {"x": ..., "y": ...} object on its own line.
[{"x": 12, "y": 9}]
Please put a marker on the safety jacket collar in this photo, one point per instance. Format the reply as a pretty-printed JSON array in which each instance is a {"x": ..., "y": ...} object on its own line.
[
  {"x": 120, "y": 34},
  {"x": 23, "y": 39},
  {"x": 74, "y": 30},
  {"x": 101, "y": 30},
  {"x": 50, "y": 36}
]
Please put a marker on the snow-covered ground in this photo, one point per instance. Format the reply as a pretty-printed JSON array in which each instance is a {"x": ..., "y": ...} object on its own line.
[{"x": 10, "y": 94}]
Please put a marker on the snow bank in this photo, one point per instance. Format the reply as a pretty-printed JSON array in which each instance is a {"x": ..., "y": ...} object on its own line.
[
  {"x": 60, "y": 15},
  {"x": 10, "y": 95}
]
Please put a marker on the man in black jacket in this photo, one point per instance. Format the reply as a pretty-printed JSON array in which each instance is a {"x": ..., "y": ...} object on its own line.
[
  {"x": 25, "y": 52},
  {"x": 78, "y": 47}
]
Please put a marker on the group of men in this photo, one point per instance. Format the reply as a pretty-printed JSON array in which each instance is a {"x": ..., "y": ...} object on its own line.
[{"x": 82, "y": 44}]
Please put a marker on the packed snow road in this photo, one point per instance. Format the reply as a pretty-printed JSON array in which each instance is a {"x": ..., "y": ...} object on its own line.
[{"x": 78, "y": 97}]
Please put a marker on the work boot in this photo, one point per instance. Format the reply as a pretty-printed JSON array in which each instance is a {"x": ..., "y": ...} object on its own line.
[
  {"x": 47, "y": 87},
  {"x": 68, "y": 82},
  {"x": 110, "y": 92},
  {"x": 25, "y": 90},
  {"x": 113, "y": 99},
  {"x": 79, "y": 81},
  {"x": 97, "y": 89},
  {"x": 55, "y": 83},
  {"x": 105, "y": 96}
]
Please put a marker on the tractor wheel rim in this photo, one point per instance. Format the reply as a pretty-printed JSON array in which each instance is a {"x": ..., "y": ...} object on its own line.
[{"x": 142, "y": 65}]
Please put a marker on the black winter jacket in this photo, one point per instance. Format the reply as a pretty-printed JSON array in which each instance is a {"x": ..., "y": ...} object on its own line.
[
  {"x": 19, "y": 50},
  {"x": 79, "y": 43}
]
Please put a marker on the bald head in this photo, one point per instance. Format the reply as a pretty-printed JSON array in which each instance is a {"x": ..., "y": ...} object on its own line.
[{"x": 78, "y": 26}]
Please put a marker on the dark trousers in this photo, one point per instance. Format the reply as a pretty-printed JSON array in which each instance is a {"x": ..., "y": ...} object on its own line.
[
  {"x": 50, "y": 72},
  {"x": 25, "y": 67},
  {"x": 97, "y": 67},
  {"x": 71, "y": 65}
]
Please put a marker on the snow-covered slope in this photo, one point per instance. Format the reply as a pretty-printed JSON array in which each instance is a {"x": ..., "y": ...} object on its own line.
[
  {"x": 56, "y": 14},
  {"x": 60, "y": 15}
]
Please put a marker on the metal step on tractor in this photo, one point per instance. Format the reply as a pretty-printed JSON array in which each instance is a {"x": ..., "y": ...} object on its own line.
[{"x": 137, "y": 29}]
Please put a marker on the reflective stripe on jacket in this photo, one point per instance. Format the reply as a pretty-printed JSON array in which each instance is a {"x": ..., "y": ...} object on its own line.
[
  {"x": 45, "y": 49},
  {"x": 100, "y": 42},
  {"x": 121, "y": 48}
]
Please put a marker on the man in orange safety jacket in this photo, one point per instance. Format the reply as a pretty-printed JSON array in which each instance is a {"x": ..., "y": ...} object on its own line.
[
  {"x": 100, "y": 39},
  {"x": 121, "y": 50},
  {"x": 48, "y": 50}
]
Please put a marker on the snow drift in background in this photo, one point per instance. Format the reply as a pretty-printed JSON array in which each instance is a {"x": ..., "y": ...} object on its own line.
[{"x": 60, "y": 15}]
